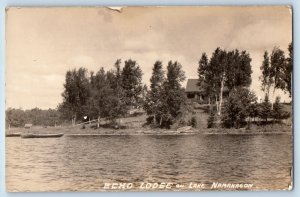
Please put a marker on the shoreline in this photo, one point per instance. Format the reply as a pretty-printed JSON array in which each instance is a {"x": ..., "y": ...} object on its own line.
[
  {"x": 69, "y": 131},
  {"x": 172, "y": 134},
  {"x": 186, "y": 130}
]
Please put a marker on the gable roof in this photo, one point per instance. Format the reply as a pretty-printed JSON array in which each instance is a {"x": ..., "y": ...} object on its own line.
[{"x": 192, "y": 86}]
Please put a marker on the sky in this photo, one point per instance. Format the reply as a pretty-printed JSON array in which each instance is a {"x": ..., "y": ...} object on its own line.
[{"x": 42, "y": 44}]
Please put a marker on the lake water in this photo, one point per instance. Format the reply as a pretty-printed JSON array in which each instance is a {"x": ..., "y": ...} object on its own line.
[{"x": 74, "y": 163}]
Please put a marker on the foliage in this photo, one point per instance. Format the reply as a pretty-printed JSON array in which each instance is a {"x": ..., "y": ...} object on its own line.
[
  {"x": 203, "y": 71},
  {"x": 194, "y": 122},
  {"x": 237, "y": 107},
  {"x": 173, "y": 97},
  {"x": 278, "y": 112},
  {"x": 230, "y": 69},
  {"x": 35, "y": 116},
  {"x": 166, "y": 99},
  {"x": 288, "y": 70},
  {"x": 277, "y": 68},
  {"x": 107, "y": 95},
  {"x": 239, "y": 71},
  {"x": 266, "y": 80},
  {"x": 102, "y": 95},
  {"x": 277, "y": 71},
  {"x": 254, "y": 110},
  {"x": 132, "y": 82},
  {"x": 211, "y": 119},
  {"x": 76, "y": 93},
  {"x": 265, "y": 109},
  {"x": 153, "y": 102}
]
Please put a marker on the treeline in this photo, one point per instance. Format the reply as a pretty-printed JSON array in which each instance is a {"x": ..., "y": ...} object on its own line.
[
  {"x": 242, "y": 108},
  {"x": 224, "y": 78},
  {"x": 36, "y": 116},
  {"x": 104, "y": 94},
  {"x": 233, "y": 70},
  {"x": 111, "y": 94}
]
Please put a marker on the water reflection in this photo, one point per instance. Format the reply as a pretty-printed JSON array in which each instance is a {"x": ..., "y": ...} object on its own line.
[{"x": 85, "y": 163}]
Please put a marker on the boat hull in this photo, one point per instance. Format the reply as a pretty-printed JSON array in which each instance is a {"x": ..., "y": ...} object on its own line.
[
  {"x": 30, "y": 135},
  {"x": 13, "y": 135}
]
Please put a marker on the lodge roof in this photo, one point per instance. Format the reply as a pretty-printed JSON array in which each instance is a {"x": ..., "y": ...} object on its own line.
[{"x": 192, "y": 86}]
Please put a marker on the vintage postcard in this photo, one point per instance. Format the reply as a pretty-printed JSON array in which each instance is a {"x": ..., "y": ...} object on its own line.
[{"x": 149, "y": 98}]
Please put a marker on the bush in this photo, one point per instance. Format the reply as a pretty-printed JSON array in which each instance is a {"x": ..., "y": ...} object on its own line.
[
  {"x": 278, "y": 112},
  {"x": 182, "y": 123},
  {"x": 237, "y": 107},
  {"x": 194, "y": 122},
  {"x": 150, "y": 119},
  {"x": 211, "y": 119},
  {"x": 265, "y": 111}
]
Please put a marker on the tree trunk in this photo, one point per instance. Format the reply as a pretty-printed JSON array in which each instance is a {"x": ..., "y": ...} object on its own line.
[
  {"x": 98, "y": 122},
  {"x": 248, "y": 125},
  {"x": 268, "y": 91},
  {"x": 160, "y": 121},
  {"x": 221, "y": 94},
  {"x": 217, "y": 104},
  {"x": 273, "y": 99}
]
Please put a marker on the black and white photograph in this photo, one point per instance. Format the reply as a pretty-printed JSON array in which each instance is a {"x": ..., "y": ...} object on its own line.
[{"x": 157, "y": 98}]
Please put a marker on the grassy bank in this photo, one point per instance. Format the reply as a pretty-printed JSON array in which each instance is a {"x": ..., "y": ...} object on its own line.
[
  {"x": 136, "y": 126},
  {"x": 77, "y": 130}
]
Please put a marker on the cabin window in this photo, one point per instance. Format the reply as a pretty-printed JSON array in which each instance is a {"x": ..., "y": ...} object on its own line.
[{"x": 191, "y": 95}]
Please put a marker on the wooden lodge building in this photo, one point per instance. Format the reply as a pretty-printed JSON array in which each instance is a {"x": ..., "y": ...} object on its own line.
[{"x": 194, "y": 92}]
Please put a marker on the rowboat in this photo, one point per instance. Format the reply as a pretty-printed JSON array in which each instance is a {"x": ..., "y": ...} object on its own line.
[
  {"x": 32, "y": 135},
  {"x": 13, "y": 135}
]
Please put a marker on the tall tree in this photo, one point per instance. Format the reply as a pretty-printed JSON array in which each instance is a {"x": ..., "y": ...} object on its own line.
[
  {"x": 277, "y": 69},
  {"x": 100, "y": 92},
  {"x": 118, "y": 97},
  {"x": 76, "y": 93},
  {"x": 132, "y": 82},
  {"x": 172, "y": 97},
  {"x": 204, "y": 77},
  {"x": 266, "y": 80},
  {"x": 202, "y": 69},
  {"x": 239, "y": 70},
  {"x": 108, "y": 96},
  {"x": 226, "y": 69},
  {"x": 218, "y": 67},
  {"x": 288, "y": 76},
  {"x": 153, "y": 101}
]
